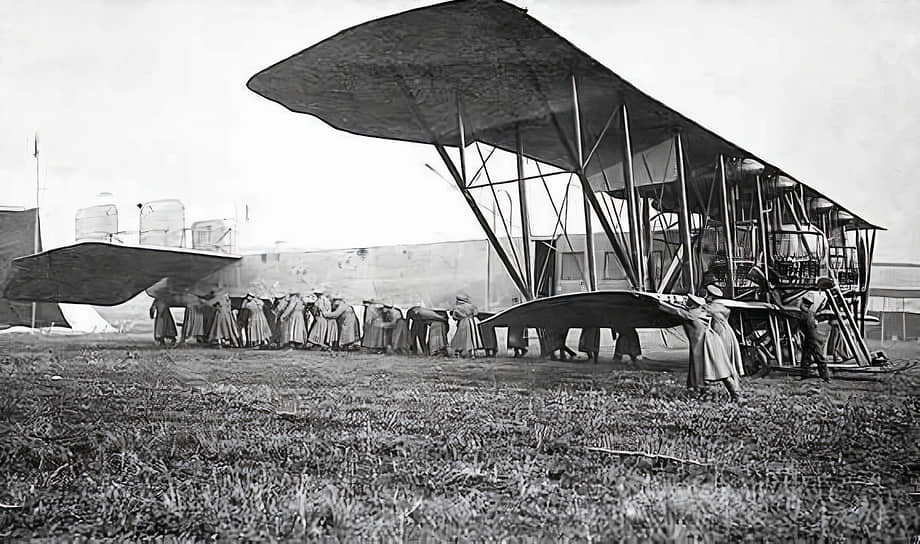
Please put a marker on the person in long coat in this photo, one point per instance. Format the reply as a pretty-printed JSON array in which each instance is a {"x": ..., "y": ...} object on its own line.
[
  {"x": 418, "y": 331},
  {"x": 346, "y": 321},
  {"x": 589, "y": 342},
  {"x": 720, "y": 315},
  {"x": 258, "y": 333},
  {"x": 207, "y": 312},
  {"x": 627, "y": 345},
  {"x": 812, "y": 340},
  {"x": 708, "y": 359},
  {"x": 325, "y": 331},
  {"x": 224, "y": 330},
  {"x": 553, "y": 340},
  {"x": 518, "y": 340},
  {"x": 193, "y": 322},
  {"x": 293, "y": 328},
  {"x": 164, "y": 327},
  {"x": 487, "y": 334},
  {"x": 396, "y": 330},
  {"x": 273, "y": 314},
  {"x": 242, "y": 322},
  {"x": 466, "y": 339},
  {"x": 374, "y": 338},
  {"x": 437, "y": 333}
]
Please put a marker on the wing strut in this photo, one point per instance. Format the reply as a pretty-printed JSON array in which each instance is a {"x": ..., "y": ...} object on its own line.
[
  {"x": 631, "y": 206},
  {"x": 687, "y": 269},
  {"x": 525, "y": 218},
  {"x": 461, "y": 185},
  {"x": 727, "y": 227},
  {"x": 590, "y": 263}
]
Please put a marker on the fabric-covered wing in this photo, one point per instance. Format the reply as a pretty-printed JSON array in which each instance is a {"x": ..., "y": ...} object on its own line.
[
  {"x": 603, "y": 309},
  {"x": 403, "y": 77},
  {"x": 105, "y": 274}
]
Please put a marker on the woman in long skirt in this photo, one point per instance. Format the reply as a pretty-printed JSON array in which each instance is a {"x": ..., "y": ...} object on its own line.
[
  {"x": 466, "y": 340},
  {"x": 293, "y": 329},
  {"x": 223, "y": 328},
  {"x": 518, "y": 340},
  {"x": 589, "y": 342},
  {"x": 325, "y": 331},
  {"x": 720, "y": 315},
  {"x": 708, "y": 358},
  {"x": 437, "y": 336},
  {"x": 374, "y": 338},
  {"x": 552, "y": 341},
  {"x": 627, "y": 345},
  {"x": 193, "y": 322},
  {"x": 258, "y": 333},
  {"x": 164, "y": 327},
  {"x": 346, "y": 321},
  {"x": 398, "y": 330}
]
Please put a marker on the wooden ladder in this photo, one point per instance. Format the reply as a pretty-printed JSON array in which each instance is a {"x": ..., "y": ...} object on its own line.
[{"x": 849, "y": 331}]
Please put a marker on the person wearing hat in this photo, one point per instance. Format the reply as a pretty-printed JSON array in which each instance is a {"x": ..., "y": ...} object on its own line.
[
  {"x": 812, "y": 342},
  {"x": 374, "y": 338},
  {"x": 708, "y": 360},
  {"x": 224, "y": 330},
  {"x": 293, "y": 326},
  {"x": 466, "y": 340},
  {"x": 164, "y": 327},
  {"x": 720, "y": 324},
  {"x": 193, "y": 322},
  {"x": 427, "y": 330},
  {"x": 347, "y": 322},
  {"x": 257, "y": 331},
  {"x": 324, "y": 333}
]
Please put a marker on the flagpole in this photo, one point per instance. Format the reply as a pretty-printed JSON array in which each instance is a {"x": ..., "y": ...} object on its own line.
[{"x": 36, "y": 240}]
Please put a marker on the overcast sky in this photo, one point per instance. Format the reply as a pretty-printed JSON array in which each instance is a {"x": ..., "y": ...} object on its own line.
[{"x": 147, "y": 100}]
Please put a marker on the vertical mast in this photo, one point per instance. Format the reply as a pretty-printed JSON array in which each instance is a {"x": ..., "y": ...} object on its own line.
[{"x": 36, "y": 242}]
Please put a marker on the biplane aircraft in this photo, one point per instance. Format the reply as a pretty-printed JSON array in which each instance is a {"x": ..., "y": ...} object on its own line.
[
  {"x": 474, "y": 74},
  {"x": 506, "y": 102}
]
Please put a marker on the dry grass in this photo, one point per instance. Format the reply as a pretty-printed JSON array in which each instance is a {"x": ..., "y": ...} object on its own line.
[{"x": 116, "y": 439}]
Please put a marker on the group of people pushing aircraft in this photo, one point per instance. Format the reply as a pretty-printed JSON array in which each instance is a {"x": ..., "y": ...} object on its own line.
[{"x": 329, "y": 323}]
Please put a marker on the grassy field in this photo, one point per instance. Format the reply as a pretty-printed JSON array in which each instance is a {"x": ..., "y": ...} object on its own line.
[{"x": 112, "y": 438}]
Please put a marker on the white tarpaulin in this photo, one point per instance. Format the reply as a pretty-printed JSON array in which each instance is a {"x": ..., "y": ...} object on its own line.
[{"x": 83, "y": 318}]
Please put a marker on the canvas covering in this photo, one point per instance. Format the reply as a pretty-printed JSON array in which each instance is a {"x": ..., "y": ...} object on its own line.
[
  {"x": 106, "y": 274},
  {"x": 405, "y": 77}
]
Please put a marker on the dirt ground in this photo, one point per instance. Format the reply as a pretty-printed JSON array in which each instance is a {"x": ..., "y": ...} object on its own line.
[{"x": 112, "y": 437}]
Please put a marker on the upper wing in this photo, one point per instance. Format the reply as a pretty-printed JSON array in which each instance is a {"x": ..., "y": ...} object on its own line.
[
  {"x": 403, "y": 77},
  {"x": 602, "y": 309},
  {"x": 105, "y": 274}
]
